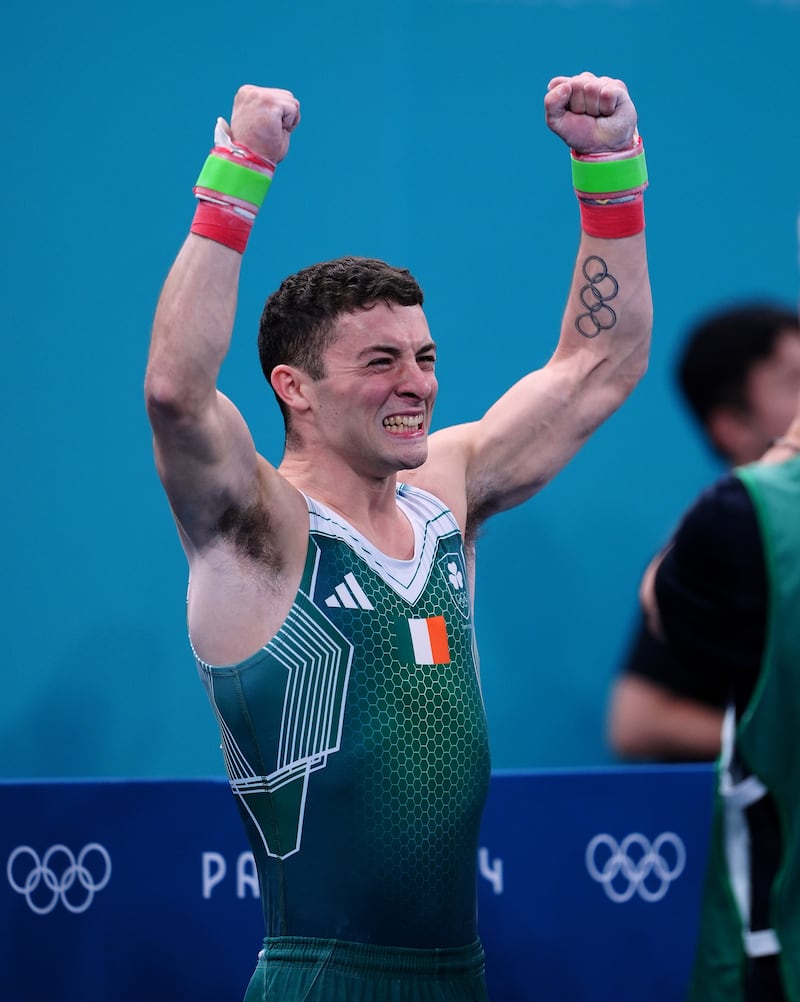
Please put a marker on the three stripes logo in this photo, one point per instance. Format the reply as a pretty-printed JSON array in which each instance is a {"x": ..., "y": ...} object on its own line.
[
  {"x": 420, "y": 641},
  {"x": 348, "y": 595}
]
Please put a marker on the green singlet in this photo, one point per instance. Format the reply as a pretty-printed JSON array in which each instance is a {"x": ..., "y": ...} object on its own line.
[{"x": 356, "y": 746}]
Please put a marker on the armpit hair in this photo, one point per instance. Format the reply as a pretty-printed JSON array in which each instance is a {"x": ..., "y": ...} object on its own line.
[
  {"x": 478, "y": 511},
  {"x": 250, "y": 532}
]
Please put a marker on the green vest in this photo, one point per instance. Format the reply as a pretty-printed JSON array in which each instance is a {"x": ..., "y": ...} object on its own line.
[
  {"x": 767, "y": 745},
  {"x": 356, "y": 741}
]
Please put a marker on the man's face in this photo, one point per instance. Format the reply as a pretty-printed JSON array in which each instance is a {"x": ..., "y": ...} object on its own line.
[
  {"x": 773, "y": 390},
  {"x": 374, "y": 404}
]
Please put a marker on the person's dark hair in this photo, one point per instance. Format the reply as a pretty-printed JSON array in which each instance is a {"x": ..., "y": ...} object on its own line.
[
  {"x": 299, "y": 319},
  {"x": 721, "y": 350}
]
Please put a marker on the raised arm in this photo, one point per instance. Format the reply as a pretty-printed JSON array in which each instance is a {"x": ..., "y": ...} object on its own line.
[
  {"x": 205, "y": 455},
  {"x": 602, "y": 351}
]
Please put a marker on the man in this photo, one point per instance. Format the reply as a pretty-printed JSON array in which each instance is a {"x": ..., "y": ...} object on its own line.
[
  {"x": 739, "y": 374},
  {"x": 330, "y": 598},
  {"x": 726, "y": 593}
]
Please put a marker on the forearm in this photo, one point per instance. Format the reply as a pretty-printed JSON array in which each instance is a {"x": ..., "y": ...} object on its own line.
[
  {"x": 192, "y": 327},
  {"x": 649, "y": 722},
  {"x": 607, "y": 323},
  {"x": 195, "y": 314}
]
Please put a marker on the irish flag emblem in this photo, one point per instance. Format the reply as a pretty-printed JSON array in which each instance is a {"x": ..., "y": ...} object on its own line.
[{"x": 424, "y": 641}]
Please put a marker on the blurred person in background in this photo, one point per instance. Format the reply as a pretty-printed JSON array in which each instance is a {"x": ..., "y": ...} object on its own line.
[
  {"x": 725, "y": 594},
  {"x": 739, "y": 374}
]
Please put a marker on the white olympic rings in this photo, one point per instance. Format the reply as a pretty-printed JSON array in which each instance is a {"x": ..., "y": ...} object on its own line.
[
  {"x": 647, "y": 859},
  {"x": 59, "y": 880}
]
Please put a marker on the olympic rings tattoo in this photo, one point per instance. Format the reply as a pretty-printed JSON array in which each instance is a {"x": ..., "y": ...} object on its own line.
[{"x": 601, "y": 287}]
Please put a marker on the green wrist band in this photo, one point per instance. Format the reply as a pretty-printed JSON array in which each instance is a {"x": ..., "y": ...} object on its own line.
[
  {"x": 227, "y": 178},
  {"x": 606, "y": 176}
]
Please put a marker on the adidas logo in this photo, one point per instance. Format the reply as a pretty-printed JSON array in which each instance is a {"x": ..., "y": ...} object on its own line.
[{"x": 349, "y": 595}]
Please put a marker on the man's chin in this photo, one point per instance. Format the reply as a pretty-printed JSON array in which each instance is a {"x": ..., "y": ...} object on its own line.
[{"x": 412, "y": 463}]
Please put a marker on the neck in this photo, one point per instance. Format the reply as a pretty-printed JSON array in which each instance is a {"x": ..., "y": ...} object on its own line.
[
  {"x": 785, "y": 446},
  {"x": 368, "y": 504},
  {"x": 341, "y": 487}
]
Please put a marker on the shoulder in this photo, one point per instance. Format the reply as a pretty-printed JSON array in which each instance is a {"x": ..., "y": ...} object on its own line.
[
  {"x": 722, "y": 514},
  {"x": 420, "y": 497},
  {"x": 442, "y": 477},
  {"x": 714, "y": 565},
  {"x": 423, "y": 506}
]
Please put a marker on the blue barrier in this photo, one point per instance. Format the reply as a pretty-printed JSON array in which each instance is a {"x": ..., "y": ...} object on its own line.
[{"x": 588, "y": 889}]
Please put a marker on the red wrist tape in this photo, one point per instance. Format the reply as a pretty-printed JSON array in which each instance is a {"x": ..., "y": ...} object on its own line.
[
  {"x": 221, "y": 224},
  {"x": 611, "y": 222}
]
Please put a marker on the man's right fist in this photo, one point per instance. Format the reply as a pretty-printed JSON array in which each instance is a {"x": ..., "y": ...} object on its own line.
[{"x": 263, "y": 119}]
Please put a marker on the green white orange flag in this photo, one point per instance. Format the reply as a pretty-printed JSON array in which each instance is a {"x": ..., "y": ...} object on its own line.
[{"x": 424, "y": 641}]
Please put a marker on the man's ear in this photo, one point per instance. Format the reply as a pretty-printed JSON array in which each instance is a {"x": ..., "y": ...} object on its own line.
[{"x": 291, "y": 385}]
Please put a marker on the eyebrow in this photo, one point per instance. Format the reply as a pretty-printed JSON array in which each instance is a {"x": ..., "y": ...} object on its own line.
[{"x": 390, "y": 349}]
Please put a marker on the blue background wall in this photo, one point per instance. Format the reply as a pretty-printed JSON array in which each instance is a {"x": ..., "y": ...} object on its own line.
[{"x": 423, "y": 142}]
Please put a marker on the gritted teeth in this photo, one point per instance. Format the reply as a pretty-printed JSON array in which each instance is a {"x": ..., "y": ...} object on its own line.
[{"x": 403, "y": 421}]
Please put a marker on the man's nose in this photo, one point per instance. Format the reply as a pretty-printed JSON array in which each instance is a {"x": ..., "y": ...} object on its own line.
[{"x": 415, "y": 382}]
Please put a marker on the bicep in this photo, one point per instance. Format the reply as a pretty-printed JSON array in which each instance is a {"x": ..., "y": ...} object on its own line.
[
  {"x": 499, "y": 461},
  {"x": 530, "y": 434},
  {"x": 207, "y": 463}
]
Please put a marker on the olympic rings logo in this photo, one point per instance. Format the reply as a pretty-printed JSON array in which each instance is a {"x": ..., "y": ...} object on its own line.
[
  {"x": 62, "y": 877},
  {"x": 635, "y": 866},
  {"x": 601, "y": 287}
]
